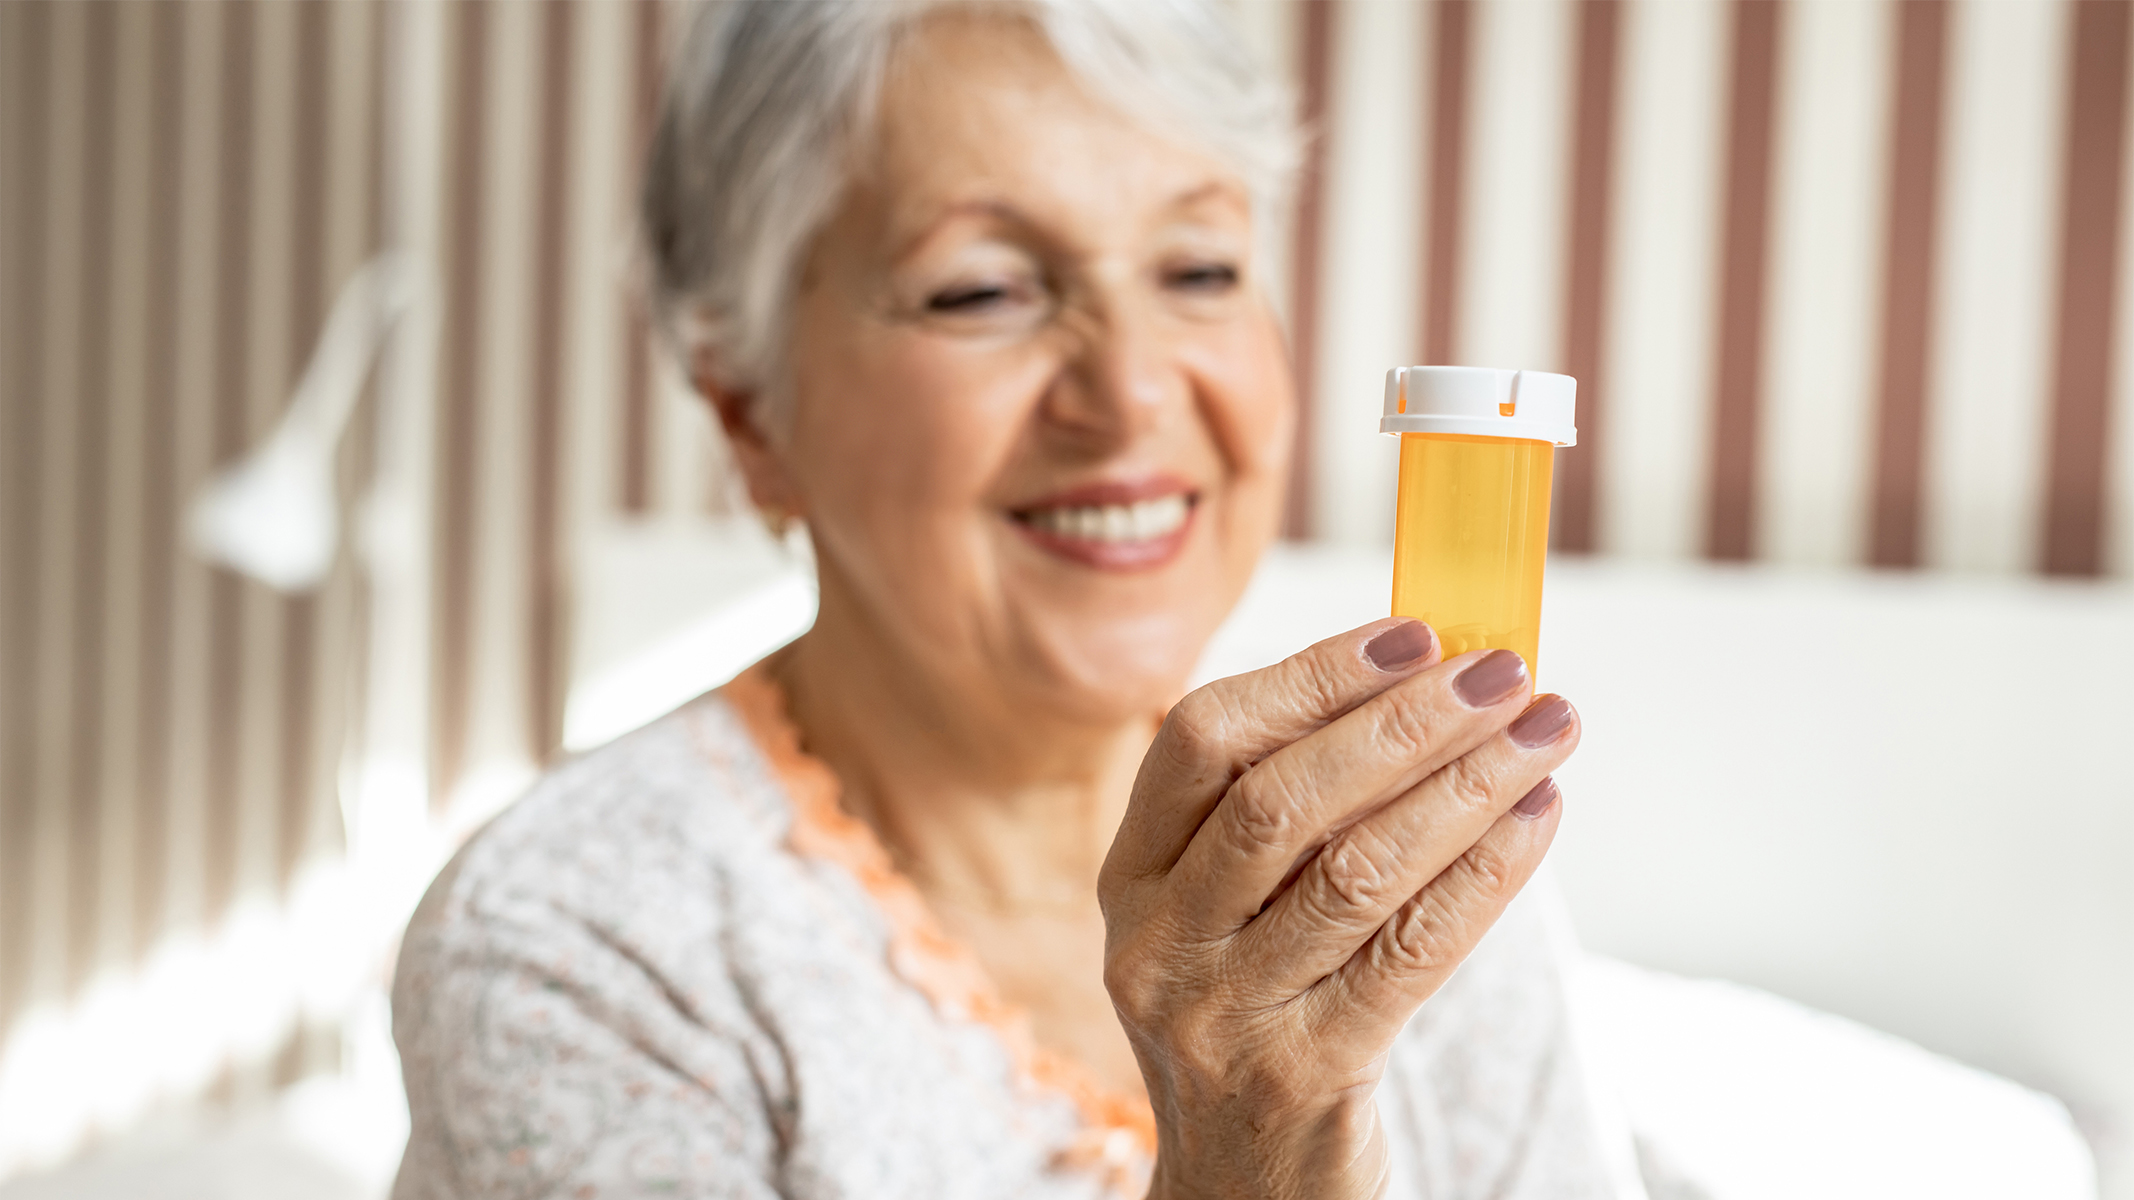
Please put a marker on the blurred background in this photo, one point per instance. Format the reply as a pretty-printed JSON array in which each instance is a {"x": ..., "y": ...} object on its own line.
[{"x": 1843, "y": 582}]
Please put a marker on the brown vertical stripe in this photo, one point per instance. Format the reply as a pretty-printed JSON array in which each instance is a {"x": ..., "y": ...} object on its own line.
[
  {"x": 458, "y": 405},
  {"x": 385, "y": 34},
  {"x": 378, "y": 233},
  {"x": 307, "y": 300},
  {"x": 233, "y": 312},
  {"x": 361, "y": 442},
  {"x": 1908, "y": 284},
  {"x": 2076, "y": 486},
  {"x": 1738, "y": 389},
  {"x": 1448, "y": 179},
  {"x": 27, "y": 78},
  {"x": 546, "y": 582},
  {"x": 1316, "y": 46},
  {"x": 92, "y": 409},
  {"x": 1586, "y": 275},
  {"x": 636, "y": 464},
  {"x": 159, "y": 489}
]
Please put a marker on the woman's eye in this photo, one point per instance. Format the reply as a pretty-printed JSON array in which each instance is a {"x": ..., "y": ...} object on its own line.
[
  {"x": 1203, "y": 277},
  {"x": 975, "y": 298},
  {"x": 985, "y": 302}
]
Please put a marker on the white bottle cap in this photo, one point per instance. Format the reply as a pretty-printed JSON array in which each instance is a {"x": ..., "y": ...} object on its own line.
[{"x": 1481, "y": 401}]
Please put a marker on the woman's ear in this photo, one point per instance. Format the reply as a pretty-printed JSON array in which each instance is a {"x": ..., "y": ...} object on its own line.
[{"x": 770, "y": 487}]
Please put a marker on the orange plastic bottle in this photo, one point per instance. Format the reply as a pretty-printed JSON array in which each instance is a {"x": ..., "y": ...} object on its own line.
[{"x": 1471, "y": 534}]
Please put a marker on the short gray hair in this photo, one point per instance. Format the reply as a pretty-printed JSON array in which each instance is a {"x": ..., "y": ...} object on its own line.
[{"x": 764, "y": 99}]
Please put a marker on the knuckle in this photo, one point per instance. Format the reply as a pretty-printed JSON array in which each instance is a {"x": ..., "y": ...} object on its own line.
[
  {"x": 1438, "y": 927},
  {"x": 1193, "y": 1034},
  {"x": 1349, "y": 878},
  {"x": 1133, "y": 978},
  {"x": 1156, "y": 969},
  {"x": 1127, "y": 988},
  {"x": 1196, "y": 746},
  {"x": 1320, "y": 682},
  {"x": 1488, "y": 872},
  {"x": 1407, "y": 724},
  {"x": 1111, "y": 889},
  {"x": 1467, "y": 783},
  {"x": 1196, "y": 725},
  {"x": 1423, "y": 936},
  {"x": 1260, "y": 809}
]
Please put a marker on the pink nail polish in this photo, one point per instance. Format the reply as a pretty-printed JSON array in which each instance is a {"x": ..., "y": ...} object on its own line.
[
  {"x": 1400, "y": 647},
  {"x": 1537, "y": 802},
  {"x": 1490, "y": 678},
  {"x": 1545, "y": 720}
]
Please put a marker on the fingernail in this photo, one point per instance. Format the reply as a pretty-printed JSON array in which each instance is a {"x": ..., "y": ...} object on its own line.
[
  {"x": 1543, "y": 722},
  {"x": 1490, "y": 678},
  {"x": 1401, "y": 646},
  {"x": 1537, "y": 802}
]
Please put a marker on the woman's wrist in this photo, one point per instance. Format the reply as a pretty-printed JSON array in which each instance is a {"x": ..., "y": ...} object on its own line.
[{"x": 1338, "y": 1151}]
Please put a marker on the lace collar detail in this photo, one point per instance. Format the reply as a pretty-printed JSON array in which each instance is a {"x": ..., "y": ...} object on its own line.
[{"x": 1119, "y": 1130}]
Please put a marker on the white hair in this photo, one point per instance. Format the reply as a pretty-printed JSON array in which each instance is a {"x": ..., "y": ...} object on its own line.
[{"x": 766, "y": 99}]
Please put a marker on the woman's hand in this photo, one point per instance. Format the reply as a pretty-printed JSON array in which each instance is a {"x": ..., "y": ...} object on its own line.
[{"x": 1310, "y": 851}]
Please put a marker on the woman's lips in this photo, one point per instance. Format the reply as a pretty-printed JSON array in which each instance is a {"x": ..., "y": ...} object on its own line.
[{"x": 1112, "y": 526}]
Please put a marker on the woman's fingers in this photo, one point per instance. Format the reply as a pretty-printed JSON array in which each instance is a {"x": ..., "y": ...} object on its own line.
[
  {"x": 1348, "y": 890},
  {"x": 1416, "y": 950},
  {"x": 1220, "y": 731},
  {"x": 1297, "y": 799}
]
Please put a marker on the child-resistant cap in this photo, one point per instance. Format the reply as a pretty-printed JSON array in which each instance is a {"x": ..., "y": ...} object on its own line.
[{"x": 1481, "y": 401}]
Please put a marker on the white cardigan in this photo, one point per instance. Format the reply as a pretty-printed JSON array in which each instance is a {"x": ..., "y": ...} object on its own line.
[{"x": 647, "y": 978}]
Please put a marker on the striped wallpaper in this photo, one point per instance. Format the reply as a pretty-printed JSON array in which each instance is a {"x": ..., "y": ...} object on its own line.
[
  {"x": 183, "y": 189},
  {"x": 1841, "y": 281}
]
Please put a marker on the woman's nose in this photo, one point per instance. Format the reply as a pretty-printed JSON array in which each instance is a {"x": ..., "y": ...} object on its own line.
[{"x": 1121, "y": 384}]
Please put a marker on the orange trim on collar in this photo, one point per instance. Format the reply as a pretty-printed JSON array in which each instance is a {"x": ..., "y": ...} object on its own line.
[{"x": 1119, "y": 1128}]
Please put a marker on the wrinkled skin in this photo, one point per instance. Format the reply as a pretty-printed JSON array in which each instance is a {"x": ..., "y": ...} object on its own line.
[
  {"x": 1024, "y": 293},
  {"x": 1311, "y": 850}
]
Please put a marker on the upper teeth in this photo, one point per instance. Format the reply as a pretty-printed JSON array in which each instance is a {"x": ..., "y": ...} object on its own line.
[{"x": 1115, "y": 522}]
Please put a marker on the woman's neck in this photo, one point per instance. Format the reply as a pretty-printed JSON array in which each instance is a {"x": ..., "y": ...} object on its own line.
[{"x": 985, "y": 803}]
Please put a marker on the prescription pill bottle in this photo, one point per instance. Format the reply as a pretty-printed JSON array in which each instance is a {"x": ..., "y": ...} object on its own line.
[{"x": 1471, "y": 534}]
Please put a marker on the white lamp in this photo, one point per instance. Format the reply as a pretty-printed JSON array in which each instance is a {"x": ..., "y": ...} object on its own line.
[{"x": 273, "y": 516}]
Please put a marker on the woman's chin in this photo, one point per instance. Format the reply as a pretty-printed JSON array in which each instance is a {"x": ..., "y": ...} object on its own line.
[
  {"x": 1116, "y": 626},
  {"x": 1127, "y": 669}
]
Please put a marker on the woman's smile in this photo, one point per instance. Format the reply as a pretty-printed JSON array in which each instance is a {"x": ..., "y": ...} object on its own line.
[{"x": 1112, "y": 525}]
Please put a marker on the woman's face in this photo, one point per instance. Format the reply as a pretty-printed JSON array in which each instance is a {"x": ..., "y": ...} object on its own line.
[{"x": 1042, "y": 410}]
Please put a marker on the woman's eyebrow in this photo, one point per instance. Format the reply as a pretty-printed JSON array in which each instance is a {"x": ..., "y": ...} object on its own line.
[
  {"x": 1007, "y": 213},
  {"x": 987, "y": 207},
  {"x": 1221, "y": 191},
  {"x": 1213, "y": 189}
]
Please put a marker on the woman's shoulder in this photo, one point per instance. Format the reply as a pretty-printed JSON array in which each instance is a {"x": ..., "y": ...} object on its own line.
[
  {"x": 565, "y": 1005},
  {"x": 634, "y": 832}
]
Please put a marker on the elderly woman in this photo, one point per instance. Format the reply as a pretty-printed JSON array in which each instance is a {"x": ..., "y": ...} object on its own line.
[{"x": 956, "y": 896}]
